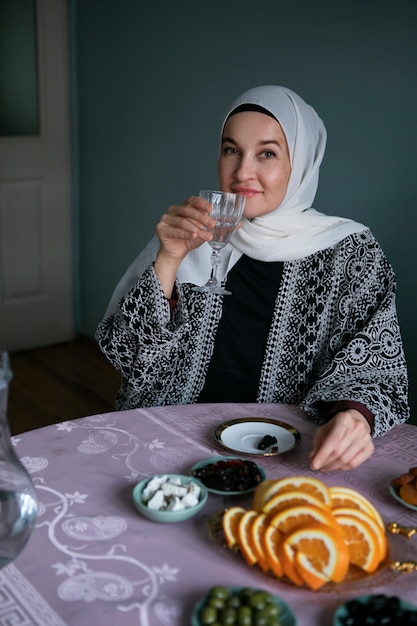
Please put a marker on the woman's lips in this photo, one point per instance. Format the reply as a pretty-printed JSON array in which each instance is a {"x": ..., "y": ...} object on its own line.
[{"x": 249, "y": 193}]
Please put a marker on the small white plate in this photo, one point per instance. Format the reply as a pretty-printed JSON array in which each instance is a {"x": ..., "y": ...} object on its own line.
[
  {"x": 397, "y": 497},
  {"x": 243, "y": 435}
]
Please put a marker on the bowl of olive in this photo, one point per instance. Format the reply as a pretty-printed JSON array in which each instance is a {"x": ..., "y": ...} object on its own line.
[
  {"x": 241, "y": 605},
  {"x": 378, "y": 609}
]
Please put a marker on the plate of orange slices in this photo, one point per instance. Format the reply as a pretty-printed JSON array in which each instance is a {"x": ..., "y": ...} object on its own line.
[
  {"x": 403, "y": 488},
  {"x": 308, "y": 534}
]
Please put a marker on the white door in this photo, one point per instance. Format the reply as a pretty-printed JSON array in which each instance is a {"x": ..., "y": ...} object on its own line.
[{"x": 35, "y": 212}]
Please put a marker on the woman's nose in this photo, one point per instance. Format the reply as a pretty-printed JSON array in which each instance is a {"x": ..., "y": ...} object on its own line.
[{"x": 245, "y": 168}]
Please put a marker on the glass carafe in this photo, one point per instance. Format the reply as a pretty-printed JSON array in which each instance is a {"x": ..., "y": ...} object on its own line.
[{"x": 18, "y": 507}]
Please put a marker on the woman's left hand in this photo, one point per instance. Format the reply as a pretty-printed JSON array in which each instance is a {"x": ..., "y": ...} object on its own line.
[{"x": 343, "y": 443}]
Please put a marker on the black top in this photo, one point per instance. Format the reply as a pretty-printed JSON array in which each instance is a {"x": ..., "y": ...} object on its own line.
[{"x": 235, "y": 367}]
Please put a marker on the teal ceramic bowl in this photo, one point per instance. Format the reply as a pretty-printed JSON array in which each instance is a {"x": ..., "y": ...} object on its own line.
[
  {"x": 168, "y": 517},
  {"x": 286, "y": 616},
  {"x": 342, "y": 612},
  {"x": 395, "y": 494},
  {"x": 223, "y": 492}
]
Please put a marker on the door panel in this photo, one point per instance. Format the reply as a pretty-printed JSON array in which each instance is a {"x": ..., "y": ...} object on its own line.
[{"x": 35, "y": 213}]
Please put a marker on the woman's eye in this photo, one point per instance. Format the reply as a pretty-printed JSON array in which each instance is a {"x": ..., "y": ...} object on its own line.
[
  {"x": 229, "y": 150},
  {"x": 268, "y": 154}
]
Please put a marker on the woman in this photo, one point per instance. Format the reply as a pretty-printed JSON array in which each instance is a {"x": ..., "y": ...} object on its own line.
[{"x": 312, "y": 317}]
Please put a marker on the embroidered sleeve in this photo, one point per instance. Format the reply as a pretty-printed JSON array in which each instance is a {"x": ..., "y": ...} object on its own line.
[
  {"x": 161, "y": 352},
  {"x": 365, "y": 361},
  {"x": 335, "y": 335}
]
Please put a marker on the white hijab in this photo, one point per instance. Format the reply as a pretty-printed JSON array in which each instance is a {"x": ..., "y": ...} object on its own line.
[{"x": 293, "y": 230}]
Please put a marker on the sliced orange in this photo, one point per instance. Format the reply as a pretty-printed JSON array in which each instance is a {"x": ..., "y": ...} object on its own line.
[
  {"x": 346, "y": 497},
  {"x": 290, "y": 518},
  {"x": 306, "y": 484},
  {"x": 382, "y": 538},
  {"x": 288, "y": 499},
  {"x": 257, "y": 530},
  {"x": 319, "y": 554},
  {"x": 259, "y": 493},
  {"x": 244, "y": 536},
  {"x": 230, "y": 522},
  {"x": 271, "y": 540},
  {"x": 362, "y": 542},
  {"x": 286, "y": 556},
  {"x": 311, "y": 576}
]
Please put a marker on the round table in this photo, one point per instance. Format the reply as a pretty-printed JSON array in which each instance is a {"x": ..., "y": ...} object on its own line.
[{"x": 93, "y": 560}]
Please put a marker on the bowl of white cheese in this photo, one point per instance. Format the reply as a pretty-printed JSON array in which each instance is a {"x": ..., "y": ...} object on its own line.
[{"x": 169, "y": 497}]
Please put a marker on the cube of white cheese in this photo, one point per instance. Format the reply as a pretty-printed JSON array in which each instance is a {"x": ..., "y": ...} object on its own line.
[
  {"x": 157, "y": 501},
  {"x": 174, "y": 480},
  {"x": 195, "y": 489},
  {"x": 175, "y": 504},
  {"x": 152, "y": 486},
  {"x": 189, "y": 500},
  {"x": 169, "y": 489}
]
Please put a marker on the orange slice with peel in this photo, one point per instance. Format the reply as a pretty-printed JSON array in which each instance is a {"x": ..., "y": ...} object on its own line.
[
  {"x": 289, "y": 499},
  {"x": 312, "y": 577},
  {"x": 244, "y": 536},
  {"x": 230, "y": 523},
  {"x": 381, "y": 536},
  {"x": 258, "y": 494},
  {"x": 306, "y": 484},
  {"x": 271, "y": 540},
  {"x": 258, "y": 528},
  {"x": 319, "y": 554},
  {"x": 347, "y": 497},
  {"x": 290, "y": 518},
  {"x": 285, "y": 555},
  {"x": 362, "y": 542}
]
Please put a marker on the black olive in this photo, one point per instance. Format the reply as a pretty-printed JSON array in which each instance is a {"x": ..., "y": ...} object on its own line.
[{"x": 378, "y": 610}]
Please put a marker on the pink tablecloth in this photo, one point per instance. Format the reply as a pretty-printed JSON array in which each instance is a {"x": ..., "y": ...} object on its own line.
[{"x": 93, "y": 560}]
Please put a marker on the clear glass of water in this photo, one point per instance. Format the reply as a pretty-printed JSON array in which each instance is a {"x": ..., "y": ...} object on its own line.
[
  {"x": 227, "y": 209},
  {"x": 18, "y": 505}
]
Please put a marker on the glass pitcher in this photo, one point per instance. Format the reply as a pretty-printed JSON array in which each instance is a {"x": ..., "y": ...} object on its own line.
[{"x": 18, "y": 506}]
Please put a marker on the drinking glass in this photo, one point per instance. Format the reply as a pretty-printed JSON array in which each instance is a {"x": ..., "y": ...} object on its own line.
[
  {"x": 18, "y": 505},
  {"x": 227, "y": 210}
]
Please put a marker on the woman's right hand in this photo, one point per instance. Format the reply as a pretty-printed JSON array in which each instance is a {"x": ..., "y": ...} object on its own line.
[
  {"x": 181, "y": 229},
  {"x": 184, "y": 227}
]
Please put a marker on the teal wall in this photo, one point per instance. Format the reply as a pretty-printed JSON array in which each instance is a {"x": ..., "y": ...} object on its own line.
[{"x": 151, "y": 81}]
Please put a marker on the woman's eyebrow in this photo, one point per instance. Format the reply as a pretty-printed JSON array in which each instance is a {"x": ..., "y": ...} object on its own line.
[
  {"x": 265, "y": 142},
  {"x": 261, "y": 142}
]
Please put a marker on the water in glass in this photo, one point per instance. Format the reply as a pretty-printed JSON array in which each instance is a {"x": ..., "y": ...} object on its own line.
[{"x": 18, "y": 505}]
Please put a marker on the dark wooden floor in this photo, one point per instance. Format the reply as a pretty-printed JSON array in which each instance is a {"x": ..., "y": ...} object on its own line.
[{"x": 58, "y": 383}]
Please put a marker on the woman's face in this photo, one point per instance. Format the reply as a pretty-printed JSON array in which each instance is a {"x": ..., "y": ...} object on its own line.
[{"x": 254, "y": 161}]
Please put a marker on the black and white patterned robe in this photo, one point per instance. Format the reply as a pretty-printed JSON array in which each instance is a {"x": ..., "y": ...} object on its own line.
[{"x": 334, "y": 336}]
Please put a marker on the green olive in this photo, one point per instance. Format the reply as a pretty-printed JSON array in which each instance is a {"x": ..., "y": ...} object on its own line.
[
  {"x": 261, "y": 618},
  {"x": 233, "y": 601},
  {"x": 228, "y": 617},
  {"x": 258, "y": 600},
  {"x": 208, "y": 616},
  {"x": 247, "y": 592},
  {"x": 244, "y": 615},
  {"x": 270, "y": 610},
  {"x": 216, "y": 603},
  {"x": 219, "y": 592},
  {"x": 269, "y": 598}
]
